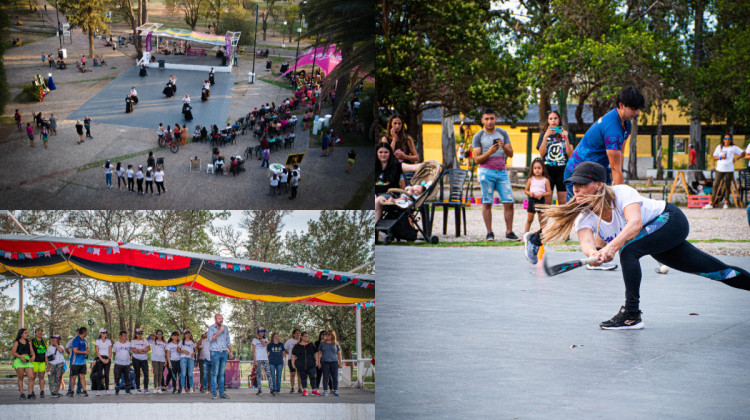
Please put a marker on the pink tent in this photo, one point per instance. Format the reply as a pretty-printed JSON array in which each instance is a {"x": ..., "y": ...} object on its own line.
[{"x": 325, "y": 57}]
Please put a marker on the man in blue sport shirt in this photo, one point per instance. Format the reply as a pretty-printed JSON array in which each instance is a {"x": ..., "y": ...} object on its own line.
[
  {"x": 604, "y": 140},
  {"x": 79, "y": 350}
]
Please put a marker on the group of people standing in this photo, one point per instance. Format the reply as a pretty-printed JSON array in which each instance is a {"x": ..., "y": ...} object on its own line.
[
  {"x": 130, "y": 177},
  {"x": 174, "y": 358}
]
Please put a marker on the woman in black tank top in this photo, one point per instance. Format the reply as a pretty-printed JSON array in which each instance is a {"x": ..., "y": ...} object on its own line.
[{"x": 23, "y": 355}]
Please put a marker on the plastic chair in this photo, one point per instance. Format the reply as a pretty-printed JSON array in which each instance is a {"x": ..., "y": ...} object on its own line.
[
  {"x": 210, "y": 168},
  {"x": 744, "y": 187},
  {"x": 456, "y": 185}
]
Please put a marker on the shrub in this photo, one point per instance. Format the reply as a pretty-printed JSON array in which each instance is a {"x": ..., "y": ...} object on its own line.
[{"x": 31, "y": 93}]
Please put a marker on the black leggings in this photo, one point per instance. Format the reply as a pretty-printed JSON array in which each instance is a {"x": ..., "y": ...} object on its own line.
[
  {"x": 103, "y": 370},
  {"x": 173, "y": 374},
  {"x": 119, "y": 371},
  {"x": 668, "y": 246},
  {"x": 141, "y": 365},
  {"x": 150, "y": 185},
  {"x": 307, "y": 373}
]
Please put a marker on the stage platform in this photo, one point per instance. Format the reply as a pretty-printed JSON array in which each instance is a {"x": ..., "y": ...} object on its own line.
[
  {"x": 108, "y": 106},
  {"x": 243, "y": 403},
  {"x": 481, "y": 333},
  {"x": 192, "y": 62}
]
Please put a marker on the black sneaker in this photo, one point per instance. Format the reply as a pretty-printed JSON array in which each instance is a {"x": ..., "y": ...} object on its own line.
[
  {"x": 70, "y": 394},
  {"x": 55, "y": 395},
  {"x": 299, "y": 391},
  {"x": 85, "y": 394},
  {"x": 490, "y": 236},
  {"x": 624, "y": 321},
  {"x": 23, "y": 397},
  {"x": 512, "y": 236},
  {"x": 273, "y": 394},
  {"x": 224, "y": 397},
  {"x": 127, "y": 391},
  {"x": 292, "y": 391},
  {"x": 41, "y": 394},
  {"x": 32, "y": 396}
]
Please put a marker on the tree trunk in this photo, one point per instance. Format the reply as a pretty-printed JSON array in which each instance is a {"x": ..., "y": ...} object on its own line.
[
  {"x": 414, "y": 129},
  {"x": 562, "y": 102},
  {"x": 264, "y": 28},
  {"x": 448, "y": 140},
  {"x": 544, "y": 107},
  {"x": 633, "y": 161},
  {"x": 659, "y": 166},
  {"x": 91, "y": 44},
  {"x": 695, "y": 104},
  {"x": 144, "y": 11}
]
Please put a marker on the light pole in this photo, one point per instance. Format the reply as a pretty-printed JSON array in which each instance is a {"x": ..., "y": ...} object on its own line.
[
  {"x": 299, "y": 36},
  {"x": 59, "y": 28},
  {"x": 255, "y": 39},
  {"x": 283, "y": 35}
]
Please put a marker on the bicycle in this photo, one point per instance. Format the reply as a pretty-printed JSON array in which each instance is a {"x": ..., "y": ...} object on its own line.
[{"x": 171, "y": 142}]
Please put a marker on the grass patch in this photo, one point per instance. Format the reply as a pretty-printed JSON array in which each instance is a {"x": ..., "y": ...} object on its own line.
[
  {"x": 283, "y": 84},
  {"x": 101, "y": 79},
  {"x": 359, "y": 197},
  {"x": 717, "y": 240},
  {"x": 114, "y": 160}
]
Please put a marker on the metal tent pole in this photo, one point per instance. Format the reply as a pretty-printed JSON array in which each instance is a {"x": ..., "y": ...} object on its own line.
[
  {"x": 360, "y": 369},
  {"x": 20, "y": 281},
  {"x": 255, "y": 40}
]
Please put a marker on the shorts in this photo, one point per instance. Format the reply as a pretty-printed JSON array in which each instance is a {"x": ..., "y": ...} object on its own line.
[
  {"x": 39, "y": 366},
  {"x": 291, "y": 366},
  {"x": 20, "y": 364},
  {"x": 491, "y": 180},
  {"x": 532, "y": 204},
  {"x": 31, "y": 137},
  {"x": 556, "y": 176},
  {"x": 77, "y": 369},
  {"x": 351, "y": 161}
]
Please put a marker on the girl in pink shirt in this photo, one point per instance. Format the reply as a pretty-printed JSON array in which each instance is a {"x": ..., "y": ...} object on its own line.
[{"x": 537, "y": 188}]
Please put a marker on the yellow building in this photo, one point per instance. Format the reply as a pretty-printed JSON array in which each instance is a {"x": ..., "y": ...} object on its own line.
[{"x": 524, "y": 136}]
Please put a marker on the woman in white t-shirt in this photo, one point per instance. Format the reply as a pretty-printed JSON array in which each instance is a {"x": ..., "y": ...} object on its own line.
[
  {"x": 121, "y": 349},
  {"x": 635, "y": 226},
  {"x": 55, "y": 359},
  {"x": 725, "y": 155},
  {"x": 186, "y": 349},
  {"x": 158, "y": 360},
  {"x": 288, "y": 346},
  {"x": 204, "y": 362},
  {"x": 173, "y": 362},
  {"x": 103, "y": 357}
]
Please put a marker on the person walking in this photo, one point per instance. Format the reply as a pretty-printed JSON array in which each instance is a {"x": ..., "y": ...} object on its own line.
[
  {"x": 221, "y": 348},
  {"x": 79, "y": 130},
  {"x": 288, "y": 346},
  {"x": 53, "y": 123},
  {"x": 491, "y": 146},
  {"x": 725, "y": 155},
  {"x": 87, "y": 124},
  {"x": 19, "y": 123},
  {"x": 260, "y": 359},
  {"x": 103, "y": 357},
  {"x": 55, "y": 365},
  {"x": 23, "y": 355},
  {"x": 30, "y": 134},
  {"x": 139, "y": 348},
  {"x": 121, "y": 349},
  {"x": 305, "y": 361},
  {"x": 635, "y": 226}
]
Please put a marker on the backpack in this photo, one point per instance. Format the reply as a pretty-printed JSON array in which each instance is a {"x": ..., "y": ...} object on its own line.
[{"x": 97, "y": 382}]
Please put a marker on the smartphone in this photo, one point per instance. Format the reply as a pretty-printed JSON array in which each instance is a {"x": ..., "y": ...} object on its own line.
[
  {"x": 558, "y": 129},
  {"x": 494, "y": 142}
]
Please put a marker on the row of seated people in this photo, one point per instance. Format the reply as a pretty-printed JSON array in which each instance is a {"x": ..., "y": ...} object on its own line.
[{"x": 236, "y": 163}]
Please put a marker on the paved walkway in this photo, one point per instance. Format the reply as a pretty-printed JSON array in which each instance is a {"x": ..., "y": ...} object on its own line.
[{"x": 480, "y": 332}]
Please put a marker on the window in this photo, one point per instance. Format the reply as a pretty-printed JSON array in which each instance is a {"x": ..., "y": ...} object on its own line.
[{"x": 680, "y": 145}]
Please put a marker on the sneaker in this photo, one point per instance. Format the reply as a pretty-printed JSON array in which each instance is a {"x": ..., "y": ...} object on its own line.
[
  {"x": 260, "y": 391},
  {"x": 85, "y": 394},
  {"x": 117, "y": 392},
  {"x": 490, "y": 236},
  {"x": 179, "y": 392},
  {"x": 602, "y": 267},
  {"x": 213, "y": 397},
  {"x": 174, "y": 390},
  {"x": 624, "y": 321},
  {"x": 292, "y": 391},
  {"x": 224, "y": 397},
  {"x": 299, "y": 391},
  {"x": 531, "y": 248},
  {"x": 55, "y": 395},
  {"x": 203, "y": 391},
  {"x": 41, "y": 394},
  {"x": 127, "y": 391},
  {"x": 273, "y": 393},
  {"x": 145, "y": 391},
  {"x": 98, "y": 394},
  {"x": 315, "y": 392},
  {"x": 725, "y": 206},
  {"x": 138, "y": 391},
  {"x": 32, "y": 396},
  {"x": 708, "y": 206},
  {"x": 70, "y": 394},
  {"x": 336, "y": 393},
  {"x": 23, "y": 397},
  {"x": 512, "y": 236},
  {"x": 325, "y": 393}
]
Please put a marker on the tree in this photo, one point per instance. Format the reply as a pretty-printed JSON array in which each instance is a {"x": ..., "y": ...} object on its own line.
[
  {"x": 135, "y": 18},
  {"x": 89, "y": 15},
  {"x": 193, "y": 10},
  {"x": 266, "y": 10},
  {"x": 216, "y": 10},
  {"x": 432, "y": 54},
  {"x": 291, "y": 14}
]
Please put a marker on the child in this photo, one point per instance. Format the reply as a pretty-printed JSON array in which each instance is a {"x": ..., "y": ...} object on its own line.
[
  {"x": 131, "y": 180},
  {"x": 537, "y": 188},
  {"x": 30, "y": 133},
  {"x": 403, "y": 200},
  {"x": 274, "y": 185},
  {"x": 17, "y": 117},
  {"x": 120, "y": 171},
  {"x": 45, "y": 135},
  {"x": 149, "y": 180},
  {"x": 107, "y": 171},
  {"x": 139, "y": 179},
  {"x": 351, "y": 157}
]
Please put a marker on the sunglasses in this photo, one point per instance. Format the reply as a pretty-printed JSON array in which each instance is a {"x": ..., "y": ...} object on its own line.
[{"x": 159, "y": 334}]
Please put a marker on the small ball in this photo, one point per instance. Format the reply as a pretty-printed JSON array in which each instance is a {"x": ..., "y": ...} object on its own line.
[{"x": 663, "y": 269}]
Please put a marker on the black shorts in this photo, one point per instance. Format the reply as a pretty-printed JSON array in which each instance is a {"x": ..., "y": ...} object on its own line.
[
  {"x": 291, "y": 366},
  {"x": 556, "y": 176},
  {"x": 532, "y": 204},
  {"x": 77, "y": 369}
]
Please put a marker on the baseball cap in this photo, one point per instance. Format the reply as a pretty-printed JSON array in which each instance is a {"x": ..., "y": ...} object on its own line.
[
  {"x": 138, "y": 330},
  {"x": 587, "y": 172},
  {"x": 261, "y": 329},
  {"x": 57, "y": 336},
  {"x": 102, "y": 330}
]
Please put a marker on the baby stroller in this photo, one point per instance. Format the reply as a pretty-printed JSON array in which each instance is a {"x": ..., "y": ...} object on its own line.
[
  {"x": 187, "y": 111},
  {"x": 402, "y": 220}
]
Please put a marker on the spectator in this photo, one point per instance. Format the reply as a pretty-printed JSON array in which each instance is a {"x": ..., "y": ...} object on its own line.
[
  {"x": 80, "y": 350},
  {"x": 555, "y": 148},
  {"x": 79, "y": 130},
  {"x": 103, "y": 357},
  {"x": 121, "y": 349},
  {"x": 30, "y": 134},
  {"x": 260, "y": 359},
  {"x": 725, "y": 155},
  {"x": 139, "y": 349},
  {"x": 401, "y": 143}
]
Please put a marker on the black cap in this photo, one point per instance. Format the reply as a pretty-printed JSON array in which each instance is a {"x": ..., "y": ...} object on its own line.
[{"x": 586, "y": 172}]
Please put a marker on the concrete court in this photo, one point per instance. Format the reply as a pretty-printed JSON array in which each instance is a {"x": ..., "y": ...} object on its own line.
[
  {"x": 480, "y": 333},
  {"x": 153, "y": 107}
]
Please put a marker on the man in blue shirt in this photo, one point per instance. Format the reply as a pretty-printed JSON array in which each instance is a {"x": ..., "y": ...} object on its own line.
[
  {"x": 79, "y": 350},
  {"x": 220, "y": 345},
  {"x": 604, "y": 140}
]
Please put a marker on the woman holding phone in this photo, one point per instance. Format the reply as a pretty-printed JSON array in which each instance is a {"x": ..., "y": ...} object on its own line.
[
  {"x": 555, "y": 147},
  {"x": 402, "y": 144}
]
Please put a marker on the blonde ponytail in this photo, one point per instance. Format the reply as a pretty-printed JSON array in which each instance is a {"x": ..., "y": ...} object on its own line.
[{"x": 561, "y": 219}]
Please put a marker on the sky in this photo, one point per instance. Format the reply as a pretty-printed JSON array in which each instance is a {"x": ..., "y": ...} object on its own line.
[{"x": 297, "y": 220}]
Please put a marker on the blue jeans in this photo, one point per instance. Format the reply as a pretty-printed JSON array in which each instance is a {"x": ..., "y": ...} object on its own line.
[
  {"x": 205, "y": 378},
  {"x": 109, "y": 179},
  {"x": 264, "y": 163},
  {"x": 491, "y": 180},
  {"x": 218, "y": 364},
  {"x": 275, "y": 379},
  {"x": 186, "y": 372}
]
